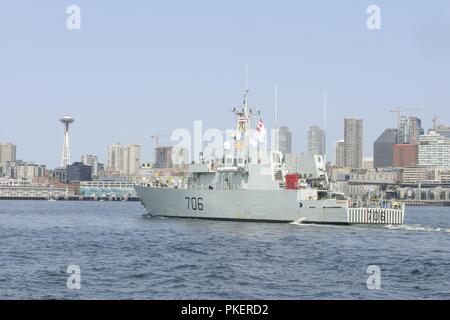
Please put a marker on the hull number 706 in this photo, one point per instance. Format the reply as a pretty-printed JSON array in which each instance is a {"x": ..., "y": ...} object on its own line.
[{"x": 194, "y": 204}]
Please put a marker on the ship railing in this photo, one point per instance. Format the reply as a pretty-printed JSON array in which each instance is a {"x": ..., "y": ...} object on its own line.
[
  {"x": 195, "y": 186},
  {"x": 214, "y": 186},
  {"x": 388, "y": 204}
]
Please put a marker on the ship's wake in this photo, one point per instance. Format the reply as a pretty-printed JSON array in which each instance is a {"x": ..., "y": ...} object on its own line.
[
  {"x": 320, "y": 225},
  {"x": 404, "y": 227},
  {"x": 299, "y": 222},
  {"x": 417, "y": 228}
]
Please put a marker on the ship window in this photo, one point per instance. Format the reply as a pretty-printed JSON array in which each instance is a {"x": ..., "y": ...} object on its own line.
[{"x": 322, "y": 195}]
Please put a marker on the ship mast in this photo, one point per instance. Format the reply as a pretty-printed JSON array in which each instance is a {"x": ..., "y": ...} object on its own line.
[
  {"x": 248, "y": 115},
  {"x": 243, "y": 116},
  {"x": 246, "y": 91}
]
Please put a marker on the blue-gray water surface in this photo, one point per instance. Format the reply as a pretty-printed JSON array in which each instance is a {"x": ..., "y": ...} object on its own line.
[{"x": 124, "y": 255}]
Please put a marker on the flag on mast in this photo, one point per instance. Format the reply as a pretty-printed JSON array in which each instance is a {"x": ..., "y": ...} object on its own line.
[
  {"x": 242, "y": 123},
  {"x": 260, "y": 134}
]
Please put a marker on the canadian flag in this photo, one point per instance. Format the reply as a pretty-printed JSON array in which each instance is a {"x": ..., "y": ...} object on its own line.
[{"x": 260, "y": 134}]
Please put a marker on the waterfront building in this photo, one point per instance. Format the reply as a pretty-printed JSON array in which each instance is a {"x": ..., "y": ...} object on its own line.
[
  {"x": 382, "y": 148},
  {"x": 443, "y": 176},
  {"x": 414, "y": 175},
  {"x": 108, "y": 188},
  {"x": 353, "y": 142},
  {"x": 424, "y": 193},
  {"x": 24, "y": 189},
  {"x": 316, "y": 141},
  {"x": 376, "y": 176}
]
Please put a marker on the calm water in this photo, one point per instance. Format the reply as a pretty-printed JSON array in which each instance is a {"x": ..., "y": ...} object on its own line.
[{"x": 123, "y": 255}]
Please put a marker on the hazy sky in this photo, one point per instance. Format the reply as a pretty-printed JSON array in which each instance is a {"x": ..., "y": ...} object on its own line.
[{"x": 139, "y": 67}]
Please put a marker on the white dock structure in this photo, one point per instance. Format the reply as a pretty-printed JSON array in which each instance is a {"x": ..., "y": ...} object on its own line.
[{"x": 24, "y": 189}]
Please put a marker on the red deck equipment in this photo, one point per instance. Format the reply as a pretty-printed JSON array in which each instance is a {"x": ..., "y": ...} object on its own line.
[{"x": 292, "y": 181}]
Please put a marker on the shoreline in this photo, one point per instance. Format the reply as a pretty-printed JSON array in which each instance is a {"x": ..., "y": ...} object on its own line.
[{"x": 74, "y": 198}]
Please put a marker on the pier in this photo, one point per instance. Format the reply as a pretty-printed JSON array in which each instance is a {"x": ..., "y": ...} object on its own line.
[
  {"x": 70, "y": 198},
  {"x": 440, "y": 203}
]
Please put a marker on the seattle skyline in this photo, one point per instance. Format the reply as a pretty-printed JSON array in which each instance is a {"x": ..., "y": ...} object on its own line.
[{"x": 133, "y": 71}]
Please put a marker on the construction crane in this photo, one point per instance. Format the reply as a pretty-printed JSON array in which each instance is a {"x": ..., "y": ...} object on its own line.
[
  {"x": 435, "y": 122},
  {"x": 399, "y": 111},
  {"x": 156, "y": 137}
]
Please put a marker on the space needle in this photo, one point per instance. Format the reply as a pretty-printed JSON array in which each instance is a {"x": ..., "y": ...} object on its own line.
[{"x": 67, "y": 120}]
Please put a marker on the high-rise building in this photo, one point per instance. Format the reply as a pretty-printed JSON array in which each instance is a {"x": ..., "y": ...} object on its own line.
[
  {"x": 339, "y": 153},
  {"x": 115, "y": 158},
  {"x": 77, "y": 172},
  {"x": 283, "y": 140},
  {"x": 7, "y": 152},
  {"x": 353, "y": 137},
  {"x": 443, "y": 130},
  {"x": 434, "y": 151},
  {"x": 382, "y": 148},
  {"x": 316, "y": 141},
  {"x": 92, "y": 161},
  {"x": 133, "y": 159},
  {"x": 404, "y": 155},
  {"x": 124, "y": 160},
  {"x": 410, "y": 130},
  {"x": 163, "y": 157}
]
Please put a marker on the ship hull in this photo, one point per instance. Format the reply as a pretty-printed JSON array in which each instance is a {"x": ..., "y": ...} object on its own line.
[{"x": 240, "y": 205}]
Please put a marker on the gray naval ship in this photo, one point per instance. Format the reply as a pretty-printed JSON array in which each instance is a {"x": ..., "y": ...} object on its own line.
[{"x": 237, "y": 188}]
